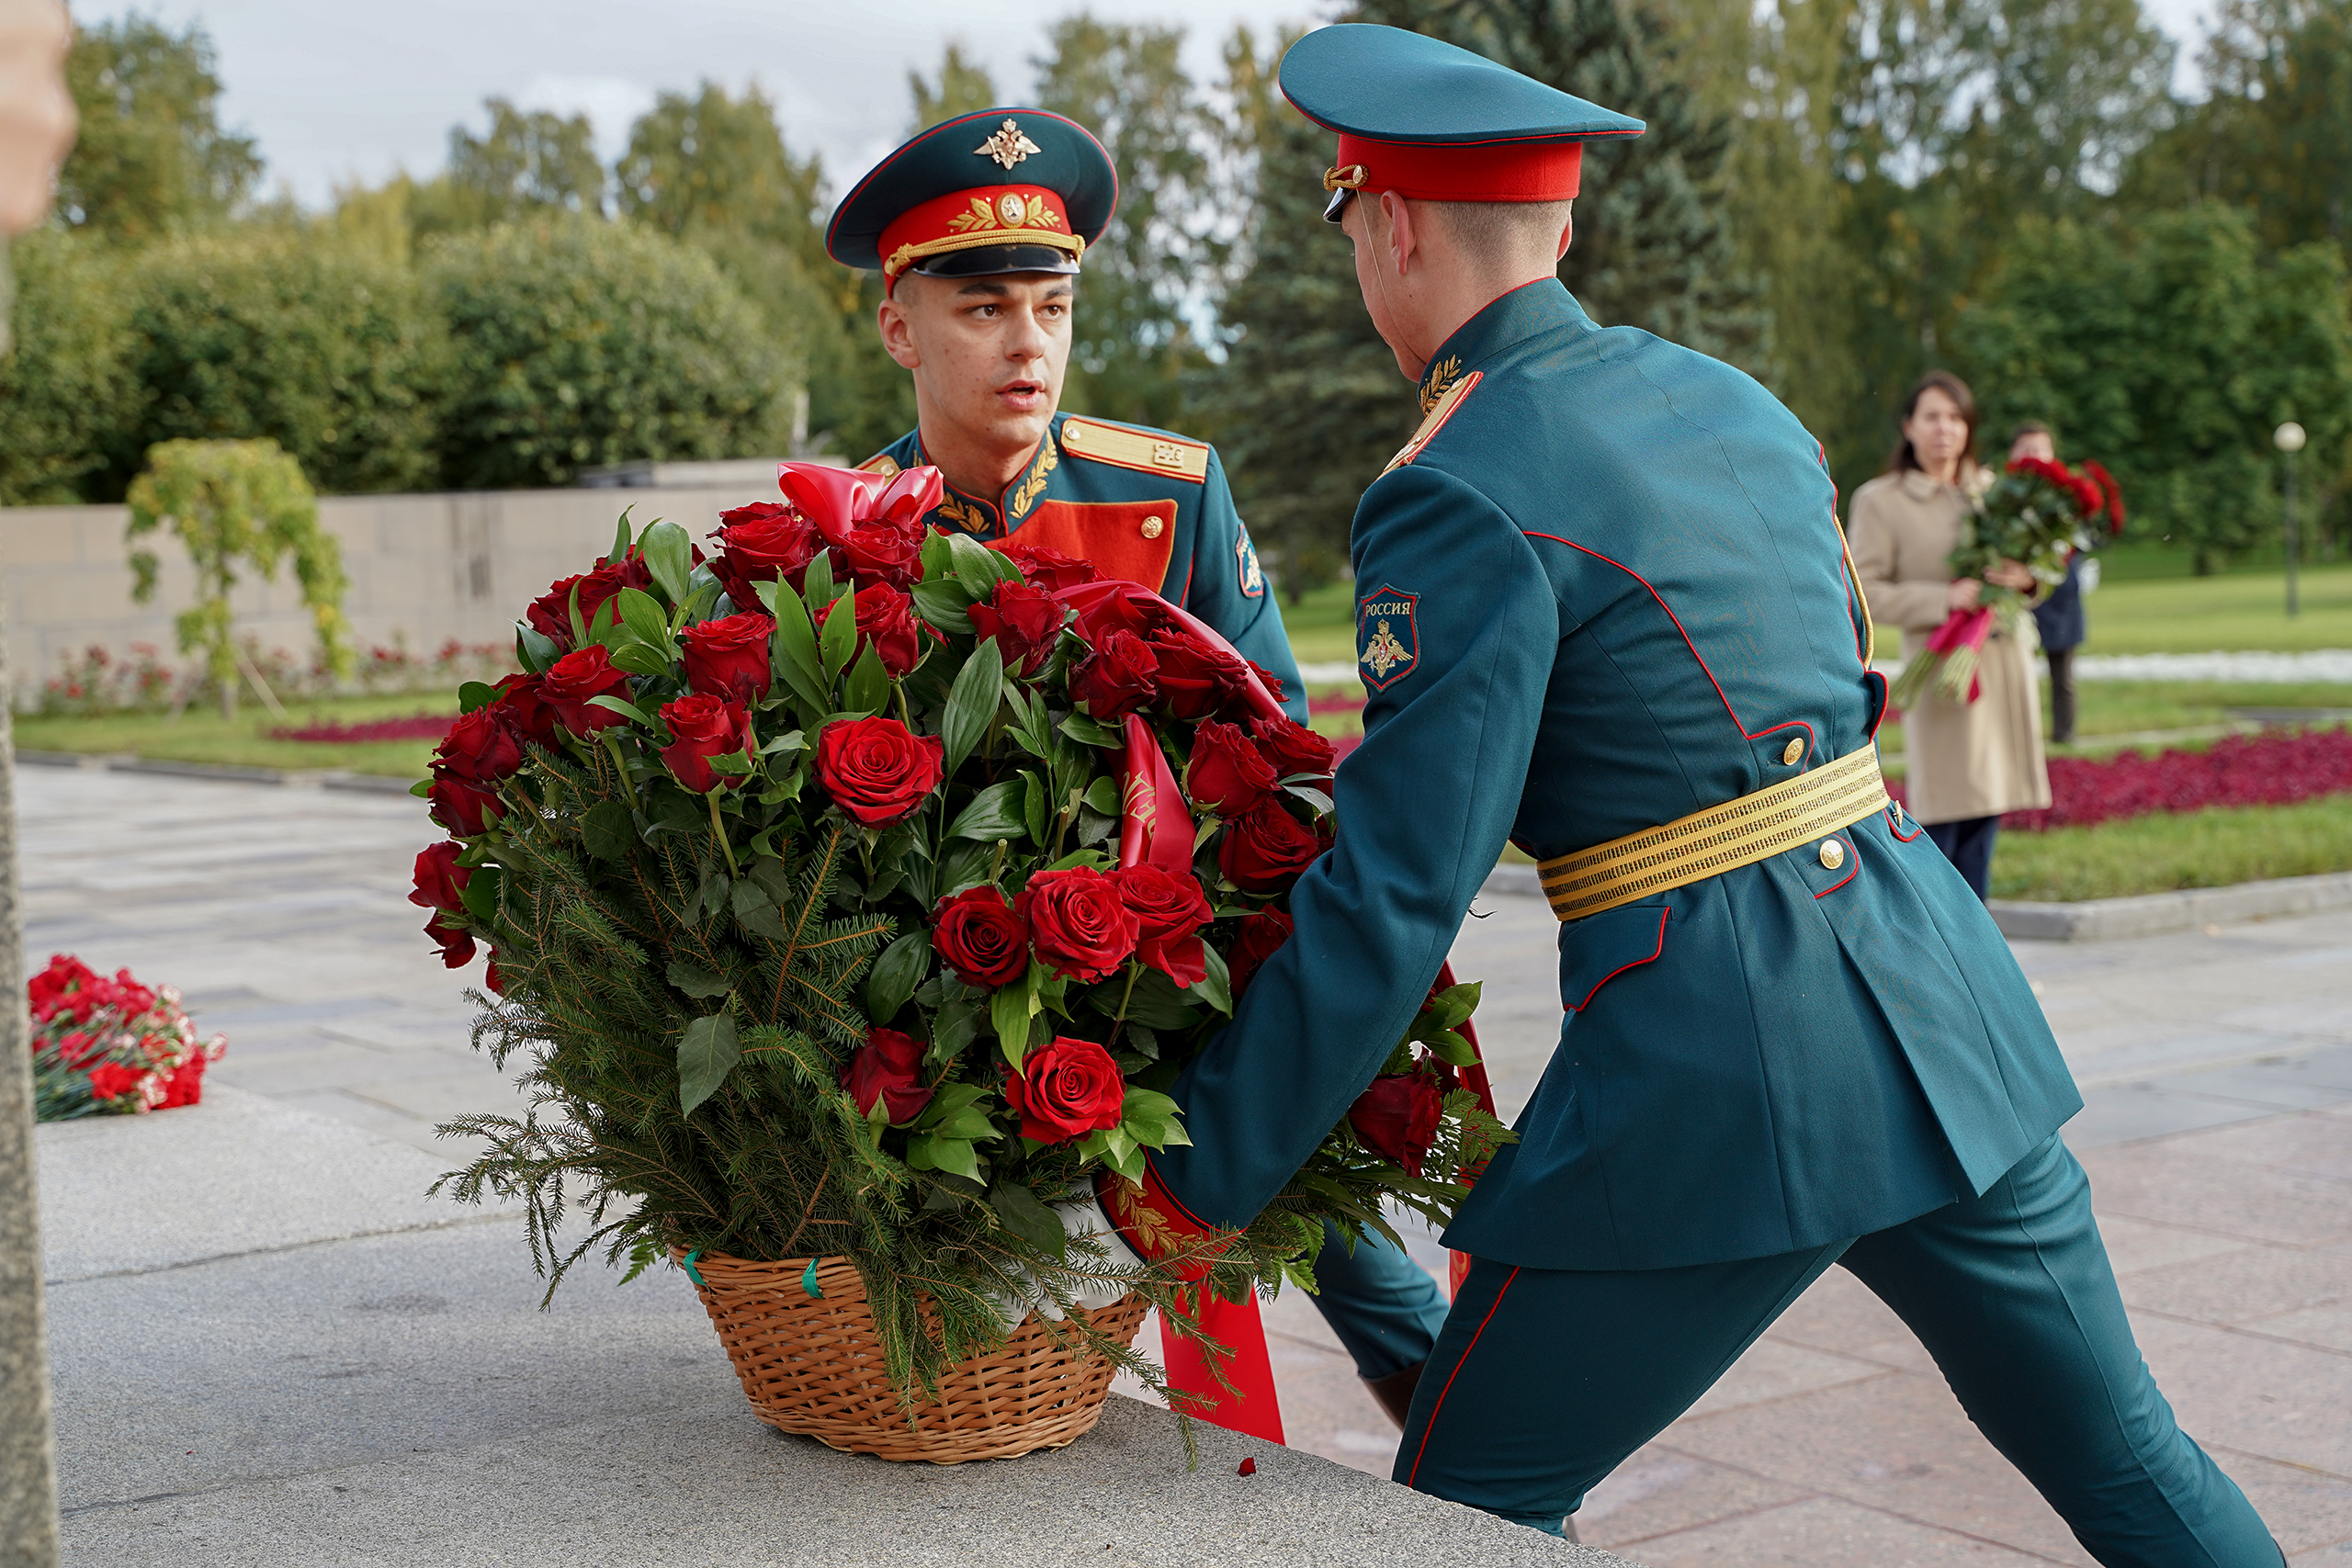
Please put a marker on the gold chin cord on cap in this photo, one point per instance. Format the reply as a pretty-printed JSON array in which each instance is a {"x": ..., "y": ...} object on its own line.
[{"x": 1347, "y": 176}]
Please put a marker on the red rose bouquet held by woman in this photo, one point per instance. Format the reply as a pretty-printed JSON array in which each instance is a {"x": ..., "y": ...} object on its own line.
[
  {"x": 2039, "y": 515},
  {"x": 860, "y": 891},
  {"x": 104, "y": 1047}
]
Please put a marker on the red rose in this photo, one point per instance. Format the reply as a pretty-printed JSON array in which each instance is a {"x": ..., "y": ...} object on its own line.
[
  {"x": 888, "y": 1068},
  {"x": 1197, "y": 680},
  {"x": 1295, "y": 749},
  {"x": 703, "y": 726},
  {"x": 440, "y": 880},
  {"x": 1067, "y": 1088},
  {"x": 550, "y": 613},
  {"x": 460, "y": 808},
  {"x": 457, "y": 942},
  {"x": 885, "y": 623},
  {"x": 112, "y": 1080},
  {"x": 873, "y": 527},
  {"x": 1169, "y": 910},
  {"x": 572, "y": 682},
  {"x": 522, "y": 709},
  {"x": 1115, "y": 677},
  {"x": 1226, "y": 773},
  {"x": 761, "y": 543},
  {"x": 1107, "y": 606},
  {"x": 1396, "y": 1117},
  {"x": 478, "y": 749},
  {"x": 877, "y": 769},
  {"x": 1024, "y": 621},
  {"x": 729, "y": 658},
  {"x": 1078, "y": 923},
  {"x": 1267, "y": 679},
  {"x": 1261, "y": 935},
  {"x": 880, "y": 552},
  {"x": 976, "y": 934},
  {"x": 1049, "y": 568},
  {"x": 1265, "y": 848}
]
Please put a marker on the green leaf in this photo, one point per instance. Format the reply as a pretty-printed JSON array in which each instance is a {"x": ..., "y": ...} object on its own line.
[
  {"x": 816, "y": 583},
  {"x": 1453, "y": 1049},
  {"x": 643, "y": 616},
  {"x": 1156, "y": 1003},
  {"x": 943, "y": 605},
  {"x": 1102, "y": 797},
  {"x": 702, "y": 985},
  {"x": 1008, "y": 1013},
  {"x": 1036, "y": 811},
  {"x": 955, "y": 1156},
  {"x": 536, "y": 650},
  {"x": 755, "y": 912},
  {"x": 895, "y": 975},
  {"x": 668, "y": 550},
  {"x": 608, "y": 831},
  {"x": 706, "y": 1054},
  {"x": 795, "y": 659},
  {"x": 480, "y": 894},
  {"x": 790, "y": 741},
  {"x": 620, "y": 536},
  {"x": 640, "y": 659},
  {"x": 475, "y": 694},
  {"x": 972, "y": 702},
  {"x": 773, "y": 877},
  {"x": 837, "y": 638},
  {"x": 997, "y": 812},
  {"x": 938, "y": 559},
  {"x": 978, "y": 568},
  {"x": 1314, "y": 797},
  {"x": 1216, "y": 987},
  {"x": 957, "y": 1025},
  {"x": 1027, "y": 1216},
  {"x": 1088, "y": 730},
  {"x": 422, "y": 788},
  {"x": 868, "y": 685},
  {"x": 624, "y": 706}
]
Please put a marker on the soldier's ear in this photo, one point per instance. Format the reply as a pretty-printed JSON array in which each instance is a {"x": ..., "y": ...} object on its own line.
[
  {"x": 1567, "y": 235},
  {"x": 1403, "y": 239},
  {"x": 894, "y": 322}
]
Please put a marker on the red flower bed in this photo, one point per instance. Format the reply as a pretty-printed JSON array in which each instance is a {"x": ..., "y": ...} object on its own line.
[
  {"x": 2275, "y": 768},
  {"x": 416, "y": 727}
]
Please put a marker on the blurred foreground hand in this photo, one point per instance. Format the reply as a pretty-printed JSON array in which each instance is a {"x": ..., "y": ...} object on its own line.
[{"x": 35, "y": 111}]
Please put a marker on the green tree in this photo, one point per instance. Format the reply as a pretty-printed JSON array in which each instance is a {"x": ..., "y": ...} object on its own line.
[
  {"x": 964, "y": 86},
  {"x": 1143, "y": 284},
  {"x": 67, "y": 394},
  {"x": 579, "y": 343},
  {"x": 151, "y": 156},
  {"x": 237, "y": 505},
  {"x": 1308, "y": 402},
  {"x": 332, "y": 354},
  {"x": 2172, "y": 357},
  {"x": 527, "y": 163},
  {"x": 1651, "y": 249}
]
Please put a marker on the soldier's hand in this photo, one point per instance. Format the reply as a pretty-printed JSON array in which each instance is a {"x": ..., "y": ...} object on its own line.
[
  {"x": 1962, "y": 594},
  {"x": 37, "y": 119}
]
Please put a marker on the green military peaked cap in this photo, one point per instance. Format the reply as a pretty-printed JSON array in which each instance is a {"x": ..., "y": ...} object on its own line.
[{"x": 1002, "y": 190}]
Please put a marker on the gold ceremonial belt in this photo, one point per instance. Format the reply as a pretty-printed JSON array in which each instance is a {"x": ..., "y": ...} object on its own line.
[{"x": 1720, "y": 838}]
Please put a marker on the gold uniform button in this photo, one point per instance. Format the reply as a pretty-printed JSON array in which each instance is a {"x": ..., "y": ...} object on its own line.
[
  {"x": 1153, "y": 527},
  {"x": 1833, "y": 854},
  {"x": 1794, "y": 751}
]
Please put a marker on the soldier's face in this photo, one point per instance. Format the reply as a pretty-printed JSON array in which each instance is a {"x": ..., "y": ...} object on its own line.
[{"x": 988, "y": 354}]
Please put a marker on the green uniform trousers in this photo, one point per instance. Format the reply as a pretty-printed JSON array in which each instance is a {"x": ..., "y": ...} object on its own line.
[{"x": 1545, "y": 1380}]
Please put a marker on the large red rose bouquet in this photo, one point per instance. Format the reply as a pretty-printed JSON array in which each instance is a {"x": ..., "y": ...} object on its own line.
[
  {"x": 106, "y": 1045},
  {"x": 860, "y": 891},
  {"x": 2040, "y": 514}
]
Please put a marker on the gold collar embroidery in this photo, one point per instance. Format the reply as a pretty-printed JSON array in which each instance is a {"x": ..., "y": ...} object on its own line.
[
  {"x": 1047, "y": 461},
  {"x": 1439, "y": 380}
]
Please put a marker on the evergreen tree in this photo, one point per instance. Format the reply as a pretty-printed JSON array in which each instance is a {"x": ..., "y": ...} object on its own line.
[
  {"x": 1651, "y": 249},
  {"x": 526, "y": 164},
  {"x": 151, "y": 156},
  {"x": 964, "y": 87}
]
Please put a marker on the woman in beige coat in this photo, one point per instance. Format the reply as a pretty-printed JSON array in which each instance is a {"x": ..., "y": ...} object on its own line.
[{"x": 1969, "y": 762}]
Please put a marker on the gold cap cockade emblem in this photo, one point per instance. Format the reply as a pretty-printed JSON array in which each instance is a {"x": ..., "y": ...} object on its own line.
[{"x": 1008, "y": 146}]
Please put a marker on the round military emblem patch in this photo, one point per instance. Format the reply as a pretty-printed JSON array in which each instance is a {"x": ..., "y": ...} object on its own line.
[{"x": 1388, "y": 645}]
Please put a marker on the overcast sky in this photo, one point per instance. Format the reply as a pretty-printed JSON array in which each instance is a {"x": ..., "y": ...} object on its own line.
[{"x": 336, "y": 90}]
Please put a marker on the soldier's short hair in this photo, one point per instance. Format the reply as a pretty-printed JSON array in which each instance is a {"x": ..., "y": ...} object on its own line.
[{"x": 1484, "y": 228}]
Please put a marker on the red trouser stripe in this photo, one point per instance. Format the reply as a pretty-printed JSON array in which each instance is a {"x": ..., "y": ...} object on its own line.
[{"x": 1413, "y": 1474}]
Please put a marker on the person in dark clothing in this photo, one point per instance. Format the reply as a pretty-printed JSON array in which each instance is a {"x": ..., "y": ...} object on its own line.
[{"x": 2059, "y": 617}]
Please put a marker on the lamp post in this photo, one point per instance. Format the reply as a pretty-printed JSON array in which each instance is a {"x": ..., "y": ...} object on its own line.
[{"x": 2289, "y": 440}]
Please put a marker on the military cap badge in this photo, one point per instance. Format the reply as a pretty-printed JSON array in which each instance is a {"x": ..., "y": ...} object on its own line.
[{"x": 943, "y": 206}]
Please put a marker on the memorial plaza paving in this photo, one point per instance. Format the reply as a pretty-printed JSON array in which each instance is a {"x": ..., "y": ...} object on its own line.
[{"x": 325, "y": 1362}]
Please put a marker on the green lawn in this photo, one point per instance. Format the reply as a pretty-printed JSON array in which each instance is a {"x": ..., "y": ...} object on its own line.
[
  {"x": 201, "y": 735},
  {"x": 2154, "y": 854}
]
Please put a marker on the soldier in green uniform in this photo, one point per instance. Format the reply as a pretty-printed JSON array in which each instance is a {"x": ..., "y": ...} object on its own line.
[
  {"x": 1605, "y": 612},
  {"x": 979, "y": 226}
]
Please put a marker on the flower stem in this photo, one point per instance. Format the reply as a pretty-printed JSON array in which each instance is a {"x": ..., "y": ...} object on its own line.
[
  {"x": 718, "y": 830},
  {"x": 898, "y": 690},
  {"x": 612, "y": 744},
  {"x": 1135, "y": 973}
]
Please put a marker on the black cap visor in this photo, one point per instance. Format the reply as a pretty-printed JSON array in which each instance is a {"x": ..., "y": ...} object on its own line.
[
  {"x": 987, "y": 261},
  {"x": 1336, "y": 210}
]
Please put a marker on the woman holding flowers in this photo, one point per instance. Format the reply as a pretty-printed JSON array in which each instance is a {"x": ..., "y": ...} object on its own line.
[{"x": 1971, "y": 760}]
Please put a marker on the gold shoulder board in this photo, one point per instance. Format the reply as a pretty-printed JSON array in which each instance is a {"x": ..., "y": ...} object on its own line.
[
  {"x": 1434, "y": 421},
  {"x": 1126, "y": 448},
  {"x": 881, "y": 463}
]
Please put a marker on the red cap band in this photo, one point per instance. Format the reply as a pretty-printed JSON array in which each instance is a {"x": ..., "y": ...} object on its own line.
[
  {"x": 1464, "y": 170},
  {"x": 984, "y": 215}
]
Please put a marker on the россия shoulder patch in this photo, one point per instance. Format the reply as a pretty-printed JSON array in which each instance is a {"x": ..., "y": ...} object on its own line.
[{"x": 1388, "y": 645}]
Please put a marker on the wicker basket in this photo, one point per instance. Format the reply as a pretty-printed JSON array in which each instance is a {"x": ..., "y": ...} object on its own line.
[{"x": 812, "y": 1364}]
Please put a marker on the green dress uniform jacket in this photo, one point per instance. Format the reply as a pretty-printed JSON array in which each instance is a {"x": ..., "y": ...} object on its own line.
[
  {"x": 1148, "y": 505},
  {"x": 1603, "y": 589}
]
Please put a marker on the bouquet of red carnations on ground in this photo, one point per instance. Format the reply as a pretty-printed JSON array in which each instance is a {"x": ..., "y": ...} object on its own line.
[
  {"x": 859, "y": 891},
  {"x": 2040, "y": 514},
  {"x": 103, "y": 1045}
]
